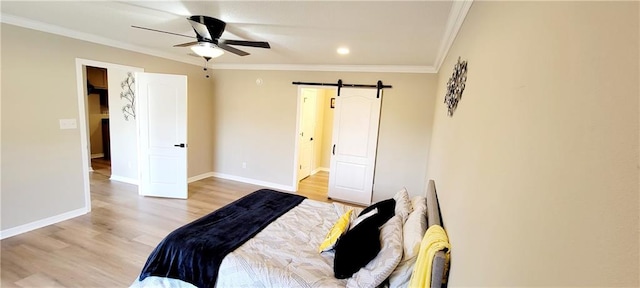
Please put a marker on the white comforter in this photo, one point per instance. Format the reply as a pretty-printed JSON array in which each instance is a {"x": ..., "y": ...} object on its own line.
[{"x": 284, "y": 254}]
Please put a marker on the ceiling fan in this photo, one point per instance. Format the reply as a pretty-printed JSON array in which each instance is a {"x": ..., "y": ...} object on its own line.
[
  {"x": 209, "y": 45},
  {"x": 208, "y": 31}
]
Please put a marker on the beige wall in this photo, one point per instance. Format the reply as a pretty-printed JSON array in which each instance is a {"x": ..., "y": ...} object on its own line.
[
  {"x": 537, "y": 170},
  {"x": 256, "y": 124},
  {"x": 250, "y": 123},
  {"x": 41, "y": 164}
]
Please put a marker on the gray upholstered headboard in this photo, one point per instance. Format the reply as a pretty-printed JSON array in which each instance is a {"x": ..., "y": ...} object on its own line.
[
  {"x": 433, "y": 209},
  {"x": 433, "y": 218}
]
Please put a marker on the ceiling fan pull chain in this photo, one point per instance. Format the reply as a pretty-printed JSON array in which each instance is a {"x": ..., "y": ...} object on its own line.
[{"x": 206, "y": 63}]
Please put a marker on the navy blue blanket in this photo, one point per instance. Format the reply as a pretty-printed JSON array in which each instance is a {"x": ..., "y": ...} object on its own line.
[{"x": 194, "y": 252}]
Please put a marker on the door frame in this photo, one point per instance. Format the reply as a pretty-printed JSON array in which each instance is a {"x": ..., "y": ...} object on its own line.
[
  {"x": 83, "y": 118},
  {"x": 296, "y": 149}
]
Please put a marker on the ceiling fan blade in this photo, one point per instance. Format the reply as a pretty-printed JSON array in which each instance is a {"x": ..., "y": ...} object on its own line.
[
  {"x": 186, "y": 44},
  {"x": 258, "y": 44},
  {"x": 154, "y": 30},
  {"x": 200, "y": 29},
  {"x": 214, "y": 26},
  {"x": 232, "y": 50}
]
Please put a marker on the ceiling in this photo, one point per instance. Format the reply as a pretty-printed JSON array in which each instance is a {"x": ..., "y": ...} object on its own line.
[{"x": 382, "y": 36}]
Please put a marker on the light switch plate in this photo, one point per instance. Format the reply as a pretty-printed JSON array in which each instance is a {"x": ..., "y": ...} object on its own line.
[{"x": 68, "y": 124}]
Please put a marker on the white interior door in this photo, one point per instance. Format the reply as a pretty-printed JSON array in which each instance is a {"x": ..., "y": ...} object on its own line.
[
  {"x": 162, "y": 112},
  {"x": 355, "y": 139},
  {"x": 306, "y": 133}
]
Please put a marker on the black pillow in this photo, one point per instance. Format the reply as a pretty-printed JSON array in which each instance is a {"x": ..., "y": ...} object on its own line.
[
  {"x": 386, "y": 210},
  {"x": 356, "y": 248}
]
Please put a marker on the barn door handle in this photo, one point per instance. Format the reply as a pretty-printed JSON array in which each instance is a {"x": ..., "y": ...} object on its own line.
[
  {"x": 181, "y": 145},
  {"x": 334, "y": 149}
]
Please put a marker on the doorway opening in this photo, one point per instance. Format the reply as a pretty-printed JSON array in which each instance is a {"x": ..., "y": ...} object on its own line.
[
  {"x": 313, "y": 141},
  {"x": 352, "y": 147},
  {"x": 104, "y": 79},
  {"x": 98, "y": 119}
]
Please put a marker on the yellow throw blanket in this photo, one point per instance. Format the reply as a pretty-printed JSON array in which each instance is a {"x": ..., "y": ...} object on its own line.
[{"x": 434, "y": 240}]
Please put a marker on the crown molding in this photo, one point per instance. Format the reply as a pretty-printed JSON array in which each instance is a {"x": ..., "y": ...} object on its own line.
[
  {"x": 328, "y": 68},
  {"x": 53, "y": 29},
  {"x": 458, "y": 13}
]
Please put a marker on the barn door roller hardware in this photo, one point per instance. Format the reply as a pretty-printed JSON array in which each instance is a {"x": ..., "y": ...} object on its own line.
[{"x": 378, "y": 86}]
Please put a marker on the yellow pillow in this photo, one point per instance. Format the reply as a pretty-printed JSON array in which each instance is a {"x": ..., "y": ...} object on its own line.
[{"x": 336, "y": 231}]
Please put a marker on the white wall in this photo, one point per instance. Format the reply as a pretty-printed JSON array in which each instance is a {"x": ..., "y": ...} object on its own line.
[
  {"x": 537, "y": 170},
  {"x": 124, "y": 134}
]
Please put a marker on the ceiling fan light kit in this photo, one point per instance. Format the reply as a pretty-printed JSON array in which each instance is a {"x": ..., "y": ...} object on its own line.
[{"x": 207, "y": 50}]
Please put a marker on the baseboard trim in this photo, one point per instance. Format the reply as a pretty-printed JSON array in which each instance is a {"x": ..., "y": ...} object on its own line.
[
  {"x": 324, "y": 169},
  {"x": 200, "y": 177},
  {"x": 254, "y": 181},
  {"x": 124, "y": 179},
  {"x": 99, "y": 155},
  {"x": 42, "y": 223}
]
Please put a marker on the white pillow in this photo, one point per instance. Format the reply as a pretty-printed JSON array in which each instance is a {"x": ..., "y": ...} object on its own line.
[
  {"x": 379, "y": 269},
  {"x": 403, "y": 204},
  {"x": 419, "y": 203},
  {"x": 413, "y": 232}
]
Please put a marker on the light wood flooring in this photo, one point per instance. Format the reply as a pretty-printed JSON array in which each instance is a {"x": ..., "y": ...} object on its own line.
[
  {"x": 101, "y": 166},
  {"x": 109, "y": 246}
]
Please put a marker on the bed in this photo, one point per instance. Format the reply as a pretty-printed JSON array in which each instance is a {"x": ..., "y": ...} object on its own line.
[{"x": 285, "y": 252}]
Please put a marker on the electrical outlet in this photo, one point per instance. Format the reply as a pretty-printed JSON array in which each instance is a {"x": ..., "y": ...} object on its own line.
[{"x": 244, "y": 165}]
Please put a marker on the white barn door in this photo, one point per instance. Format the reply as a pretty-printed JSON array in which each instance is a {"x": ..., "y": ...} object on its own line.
[
  {"x": 355, "y": 139},
  {"x": 162, "y": 107}
]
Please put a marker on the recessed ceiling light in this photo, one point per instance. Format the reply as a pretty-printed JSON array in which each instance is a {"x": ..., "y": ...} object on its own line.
[{"x": 343, "y": 50}]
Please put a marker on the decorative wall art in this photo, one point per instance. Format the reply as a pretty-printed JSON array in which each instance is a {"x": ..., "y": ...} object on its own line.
[
  {"x": 455, "y": 86},
  {"x": 127, "y": 85}
]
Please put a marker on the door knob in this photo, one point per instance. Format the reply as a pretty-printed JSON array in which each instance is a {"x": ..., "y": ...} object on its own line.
[
  {"x": 181, "y": 145},
  {"x": 311, "y": 139}
]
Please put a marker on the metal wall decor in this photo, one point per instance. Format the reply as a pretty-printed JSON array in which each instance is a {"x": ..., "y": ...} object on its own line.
[
  {"x": 129, "y": 109},
  {"x": 455, "y": 86}
]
